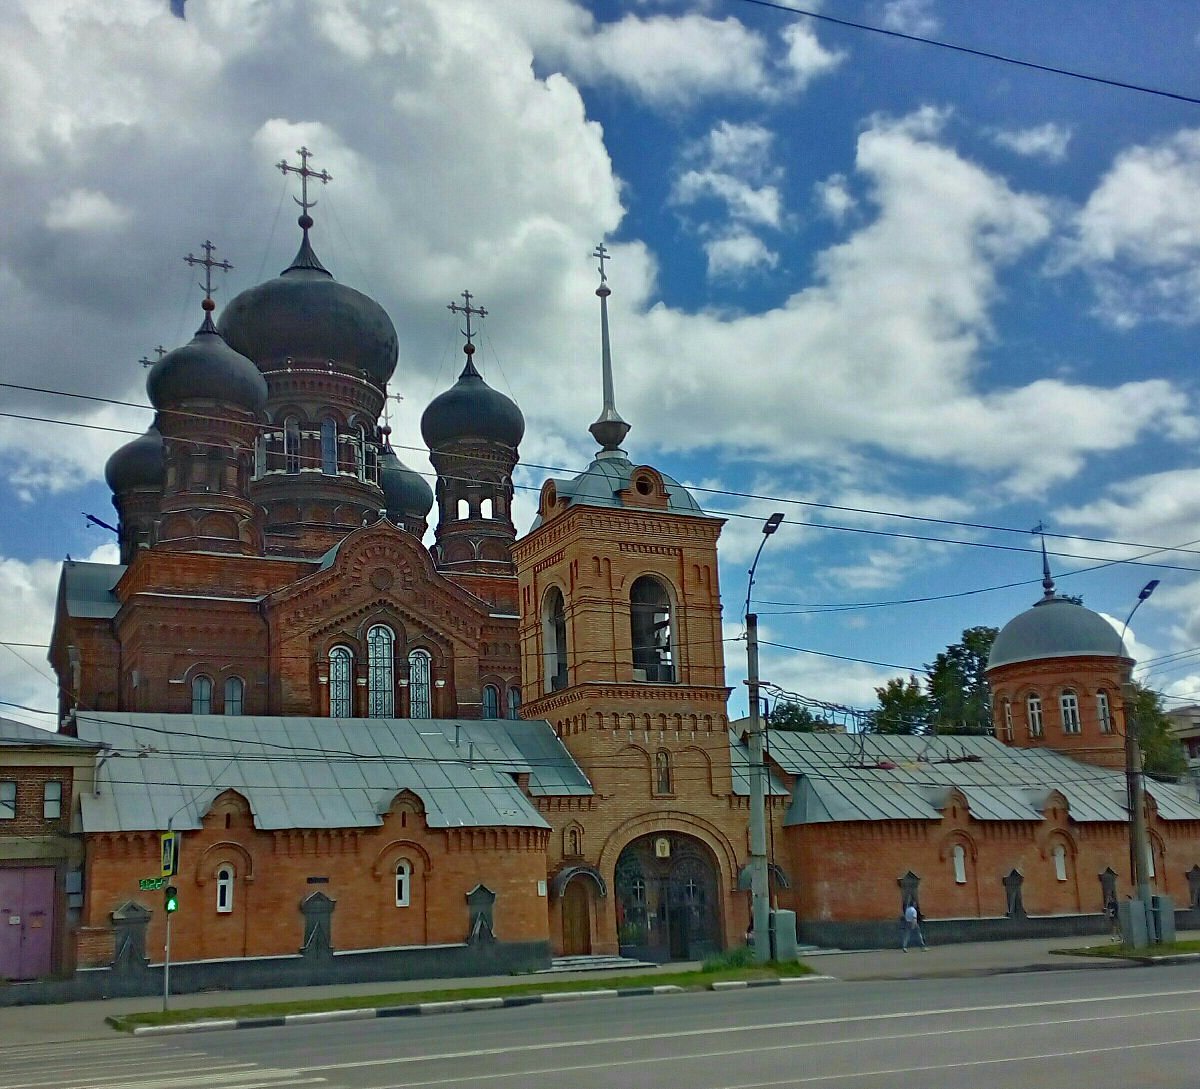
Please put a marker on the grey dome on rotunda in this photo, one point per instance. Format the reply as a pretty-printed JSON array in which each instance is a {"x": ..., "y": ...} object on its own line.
[
  {"x": 137, "y": 464},
  {"x": 471, "y": 409},
  {"x": 208, "y": 369},
  {"x": 405, "y": 491}
]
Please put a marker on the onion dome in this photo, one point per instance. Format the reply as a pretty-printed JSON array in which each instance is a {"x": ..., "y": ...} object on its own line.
[
  {"x": 304, "y": 315},
  {"x": 471, "y": 409},
  {"x": 206, "y": 369},
  {"x": 137, "y": 464},
  {"x": 405, "y": 491}
]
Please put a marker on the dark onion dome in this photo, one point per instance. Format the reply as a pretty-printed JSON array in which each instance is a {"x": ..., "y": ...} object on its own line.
[
  {"x": 305, "y": 315},
  {"x": 405, "y": 491},
  {"x": 471, "y": 409},
  {"x": 137, "y": 464},
  {"x": 206, "y": 369},
  {"x": 1055, "y": 628}
]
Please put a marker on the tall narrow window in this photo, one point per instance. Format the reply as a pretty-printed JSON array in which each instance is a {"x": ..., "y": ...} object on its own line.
[
  {"x": 1104, "y": 712},
  {"x": 662, "y": 772},
  {"x": 1069, "y": 702},
  {"x": 514, "y": 701},
  {"x": 491, "y": 701},
  {"x": 554, "y": 635},
  {"x": 650, "y": 630},
  {"x": 403, "y": 883},
  {"x": 225, "y": 890},
  {"x": 329, "y": 464},
  {"x": 381, "y": 683},
  {"x": 341, "y": 683},
  {"x": 1008, "y": 720},
  {"x": 8, "y": 799},
  {"x": 201, "y": 695},
  {"x": 52, "y": 800},
  {"x": 1034, "y": 706},
  {"x": 235, "y": 692},
  {"x": 1059, "y": 854},
  {"x": 419, "y": 705},
  {"x": 959, "y": 855},
  {"x": 291, "y": 445}
]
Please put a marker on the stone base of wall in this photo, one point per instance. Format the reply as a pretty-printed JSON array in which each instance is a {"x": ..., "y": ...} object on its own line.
[
  {"x": 375, "y": 966},
  {"x": 885, "y": 934}
]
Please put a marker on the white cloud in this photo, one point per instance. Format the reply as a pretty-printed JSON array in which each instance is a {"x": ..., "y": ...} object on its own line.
[
  {"x": 1048, "y": 141},
  {"x": 736, "y": 254},
  {"x": 85, "y": 210},
  {"x": 911, "y": 17},
  {"x": 834, "y": 197}
]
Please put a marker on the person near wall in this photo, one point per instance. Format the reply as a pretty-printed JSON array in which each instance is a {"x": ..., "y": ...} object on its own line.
[{"x": 910, "y": 927}]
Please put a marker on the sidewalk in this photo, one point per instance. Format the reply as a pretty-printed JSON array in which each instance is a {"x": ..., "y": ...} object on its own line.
[{"x": 79, "y": 1021}]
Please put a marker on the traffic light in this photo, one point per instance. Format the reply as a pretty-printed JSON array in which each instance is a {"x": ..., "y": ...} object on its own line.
[{"x": 170, "y": 899}]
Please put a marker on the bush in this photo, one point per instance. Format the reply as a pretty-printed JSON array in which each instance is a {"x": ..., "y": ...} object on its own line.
[{"x": 742, "y": 957}]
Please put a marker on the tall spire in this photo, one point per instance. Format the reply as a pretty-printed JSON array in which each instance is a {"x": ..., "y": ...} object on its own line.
[
  {"x": 469, "y": 347},
  {"x": 305, "y": 258},
  {"x": 609, "y": 430},
  {"x": 209, "y": 264},
  {"x": 1047, "y": 582}
]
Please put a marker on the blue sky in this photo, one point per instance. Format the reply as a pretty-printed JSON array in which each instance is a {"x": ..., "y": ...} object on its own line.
[{"x": 849, "y": 271}]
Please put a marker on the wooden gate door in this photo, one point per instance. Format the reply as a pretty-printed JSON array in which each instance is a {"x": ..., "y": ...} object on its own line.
[
  {"x": 26, "y": 922},
  {"x": 577, "y": 931}
]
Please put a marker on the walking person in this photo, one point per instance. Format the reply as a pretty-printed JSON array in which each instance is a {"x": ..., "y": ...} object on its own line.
[{"x": 911, "y": 928}]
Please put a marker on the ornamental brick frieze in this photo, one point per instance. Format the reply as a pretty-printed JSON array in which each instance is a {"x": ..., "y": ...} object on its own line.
[
  {"x": 606, "y": 694},
  {"x": 645, "y": 524},
  {"x": 549, "y": 561},
  {"x": 650, "y": 549}
]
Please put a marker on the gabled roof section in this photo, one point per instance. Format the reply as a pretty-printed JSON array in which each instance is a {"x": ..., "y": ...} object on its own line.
[
  {"x": 874, "y": 777},
  {"x": 86, "y": 589},
  {"x": 21, "y": 735},
  {"x": 320, "y": 772}
]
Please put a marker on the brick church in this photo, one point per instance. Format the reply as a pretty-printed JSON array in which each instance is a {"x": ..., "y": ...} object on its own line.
[{"x": 388, "y": 758}]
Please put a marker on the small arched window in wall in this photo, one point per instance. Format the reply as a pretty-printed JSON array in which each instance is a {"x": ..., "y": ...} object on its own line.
[
  {"x": 341, "y": 683},
  {"x": 514, "y": 701},
  {"x": 1104, "y": 712},
  {"x": 235, "y": 692},
  {"x": 958, "y": 855},
  {"x": 491, "y": 701},
  {"x": 329, "y": 465},
  {"x": 1033, "y": 705},
  {"x": 662, "y": 772},
  {"x": 1059, "y": 854},
  {"x": 1069, "y": 702},
  {"x": 403, "y": 883},
  {"x": 554, "y": 636},
  {"x": 650, "y": 631},
  {"x": 202, "y": 689},
  {"x": 291, "y": 445},
  {"x": 462, "y": 510},
  {"x": 419, "y": 705},
  {"x": 485, "y": 508},
  {"x": 574, "y": 843},
  {"x": 1008, "y": 720},
  {"x": 381, "y": 684},
  {"x": 225, "y": 890}
]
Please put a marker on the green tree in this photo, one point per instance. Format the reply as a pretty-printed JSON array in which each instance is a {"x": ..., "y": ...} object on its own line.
[
  {"x": 957, "y": 684},
  {"x": 904, "y": 708},
  {"x": 798, "y": 718},
  {"x": 1162, "y": 754}
]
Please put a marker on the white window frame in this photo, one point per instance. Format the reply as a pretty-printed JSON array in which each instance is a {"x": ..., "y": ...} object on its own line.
[
  {"x": 225, "y": 879},
  {"x": 1008, "y": 720},
  {"x": 404, "y": 873},
  {"x": 52, "y": 798},
  {"x": 1068, "y": 703},
  {"x": 8, "y": 799},
  {"x": 1033, "y": 708},
  {"x": 1104, "y": 712},
  {"x": 1059, "y": 854},
  {"x": 958, "y": 855}
]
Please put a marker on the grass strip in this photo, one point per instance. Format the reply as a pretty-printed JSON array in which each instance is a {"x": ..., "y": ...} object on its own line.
[
  {"x": 695, "y": 980},
  {"x": 1117, "y": 951}
]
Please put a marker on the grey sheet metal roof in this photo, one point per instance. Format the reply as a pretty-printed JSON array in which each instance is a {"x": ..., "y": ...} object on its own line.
[
  {"x": 88, "y": 588},
  {"x": 847, "y": 777},
  {"x": 319, "y": 772},
  {"x": 22, "y": 734},
  {"x": 739, "y": 758}
]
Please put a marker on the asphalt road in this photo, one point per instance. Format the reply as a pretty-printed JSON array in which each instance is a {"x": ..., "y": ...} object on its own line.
[{"x": 1120, "y": 1028}]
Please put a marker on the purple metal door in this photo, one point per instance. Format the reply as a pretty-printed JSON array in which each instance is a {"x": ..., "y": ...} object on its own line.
[{"x": 26, "y": 922}]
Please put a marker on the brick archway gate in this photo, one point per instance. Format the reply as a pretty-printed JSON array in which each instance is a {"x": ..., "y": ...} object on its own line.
[{"x": 668, "y": 899}]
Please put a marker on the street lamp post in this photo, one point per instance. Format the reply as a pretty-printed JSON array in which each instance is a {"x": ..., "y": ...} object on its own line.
[
  {"x": 760, "y": 907},
  {"x": 1139, "y": 847}
]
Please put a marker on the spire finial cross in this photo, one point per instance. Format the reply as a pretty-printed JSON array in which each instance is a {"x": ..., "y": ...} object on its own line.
[
  {"x": 602, "y": 254},
  {"x": 209, "y": 264},
  {"x": 1047, "y": 579},
  {"x": 323, "y": 176},
  {"x": 146, "y": 361},
  {"x": 467, "y": 309}
]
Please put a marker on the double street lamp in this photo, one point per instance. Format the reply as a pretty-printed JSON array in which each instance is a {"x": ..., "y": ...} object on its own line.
[{"x": 760, "y": 907}]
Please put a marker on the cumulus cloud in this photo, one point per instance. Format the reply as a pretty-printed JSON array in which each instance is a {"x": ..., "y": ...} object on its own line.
[
  {"x": 914, "y": 17},
  {"x": 834, "y": 197},
  {"x": 1048, "y": 141}
]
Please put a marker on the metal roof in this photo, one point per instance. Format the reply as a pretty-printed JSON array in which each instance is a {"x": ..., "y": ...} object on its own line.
[
  {"x": 88, "y": 588},
  {"x": 875, "y": 777},
  {"x": 22, "y": 734},
  {"x": 739, "y": 760},
  {"x": 165, "y": 770},
  {"x": 1055, "y": 627}
]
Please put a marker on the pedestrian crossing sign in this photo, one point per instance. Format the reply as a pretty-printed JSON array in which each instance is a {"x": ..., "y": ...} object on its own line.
[{"x": 170, "y": 853}]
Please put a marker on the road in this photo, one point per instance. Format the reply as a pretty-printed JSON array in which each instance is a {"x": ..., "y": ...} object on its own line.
[{"x": 1043, "y": 1030}]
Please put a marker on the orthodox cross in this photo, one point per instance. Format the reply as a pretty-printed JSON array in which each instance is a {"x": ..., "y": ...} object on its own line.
[
  {"x": 467, "y": 309},
  {"x": 603, "y": 255},
  {"x": 146, "y": 361},
  {"x": 323, "y": 176},
  {"x": 209, "y": 264}
]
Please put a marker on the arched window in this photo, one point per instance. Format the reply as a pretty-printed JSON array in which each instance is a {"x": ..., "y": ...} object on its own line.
[
  {"x": 462, "y": 510},
  {"x": 485, "y": 508},
  {"x": 381, "y": 678},
  {"x": 202, "y": 689},
  {"x": 403, "y": 883},
  {"x": 1059, "y": 855},
  {"x": 418, "y": 685},
  {"x": 1008, "y": 720},
  {"x": 959, "y": 856},
  {"x": 650, "y": 630},
  {"x": 1069, "y": 702},
  {"x": 491, "y": 701},
  {"x": 235, "y": 693},
  {"x": 1033, "y": 704},
  {"x": 341, "y": 683},
  {"x": 329, "y": 464},
  {"x": 291, "y": 445},
  {"x": 662, "y": 772},
  {"x": 1104, "y": 712},
  {"x": 514, "y": 701},
  {"x": 225, "y": 890},
  {"x": 554, "y": 635}
]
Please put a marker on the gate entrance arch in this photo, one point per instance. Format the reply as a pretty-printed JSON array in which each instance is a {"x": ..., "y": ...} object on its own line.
[{"x": 668, "y": 898}]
